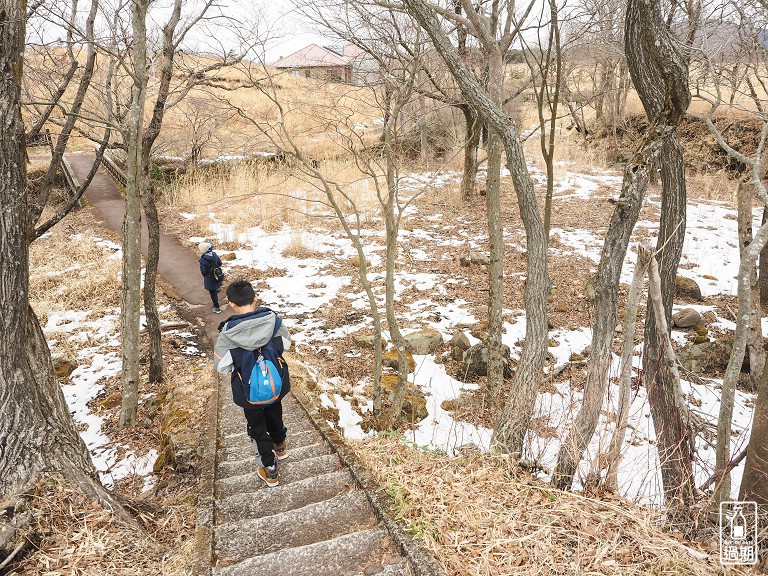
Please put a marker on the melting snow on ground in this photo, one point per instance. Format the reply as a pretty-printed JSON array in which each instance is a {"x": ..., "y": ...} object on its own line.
[
  {"x": 96, "y": 364},
  {"x": 310, "y": 282}
]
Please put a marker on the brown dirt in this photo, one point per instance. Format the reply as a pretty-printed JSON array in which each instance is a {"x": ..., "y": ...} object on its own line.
[{"x": 703, "y": 155}]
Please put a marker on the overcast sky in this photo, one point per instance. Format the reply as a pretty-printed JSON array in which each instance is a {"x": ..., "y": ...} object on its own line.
[
  {"x": 288, "y": 31},
  {"x": 276, "y": 21}
]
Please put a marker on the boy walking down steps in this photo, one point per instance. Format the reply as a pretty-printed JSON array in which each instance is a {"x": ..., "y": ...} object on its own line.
[{"x": 250, "y": 346}]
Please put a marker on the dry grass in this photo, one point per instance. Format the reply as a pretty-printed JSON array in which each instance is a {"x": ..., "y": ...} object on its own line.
[
  {"x": 317, "y": 116},
  {"x": 73, "y": 273},
  {"x": 298, "y": 249},
  {"x": 254, "y": 194},
  {"x": 481, "y": 516},
  {"x": 74, "y": 534},
  {"x": 717, "y": 186}
]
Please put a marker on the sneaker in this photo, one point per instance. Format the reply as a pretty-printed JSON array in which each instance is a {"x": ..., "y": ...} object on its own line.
[
  {"x": 217, "y": 310},
  {"x": 281, "y": 453},
  {"x": 269, "y": 475}
]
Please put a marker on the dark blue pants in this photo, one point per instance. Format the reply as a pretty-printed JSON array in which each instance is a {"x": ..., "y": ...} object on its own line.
[{"x": 265, "y": 426}]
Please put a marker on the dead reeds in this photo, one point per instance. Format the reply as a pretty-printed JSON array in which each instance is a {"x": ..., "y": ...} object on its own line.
[
  {"x": 250, "y": 194},
  {"x": 480, "y": 515},
  {"x": 74, "y": 272}
]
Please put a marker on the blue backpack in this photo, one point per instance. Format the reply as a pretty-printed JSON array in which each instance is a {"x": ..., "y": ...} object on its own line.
[{"x": 262, "y": 371}]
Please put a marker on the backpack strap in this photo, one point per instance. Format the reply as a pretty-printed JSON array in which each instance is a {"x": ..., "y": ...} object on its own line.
[
  {"x": 278, "y": 323},
  {"x": 237, "y": 353}
]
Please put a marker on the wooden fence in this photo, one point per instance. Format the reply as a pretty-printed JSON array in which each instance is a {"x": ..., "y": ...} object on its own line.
[
  {"x": 114, "y": 170},
  {"x": 69, "y": 175}
]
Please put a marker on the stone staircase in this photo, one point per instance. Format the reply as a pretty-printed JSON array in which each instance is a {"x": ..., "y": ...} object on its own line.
[
  {"x": 325, "y": 518},
  {"x": 318, "y": 522}
]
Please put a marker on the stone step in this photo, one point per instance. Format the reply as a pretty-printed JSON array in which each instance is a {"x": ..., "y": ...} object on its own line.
[
  {"x": 289, "y": 473},
  {"x": 232, "y": 418},
  {"x": 325, "y": 520},
  {"x": 399, "y": 568},
  {"x": 346, "y": 555},
  {"x": 243, "y": 448},
  {"x": 238, "y": 467},
  {"x": 240, "y": 430},
  {"x": 284, "y": 497}
]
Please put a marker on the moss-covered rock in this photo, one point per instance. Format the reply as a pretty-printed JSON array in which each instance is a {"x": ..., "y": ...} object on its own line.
[
  {"x": 389, "y": 359},
  {"x": 367, "y": 340},
  {"x": 476, "y": 360},
  {"x": 414, "y": 403},
  {"x": 687, "y": 288}
]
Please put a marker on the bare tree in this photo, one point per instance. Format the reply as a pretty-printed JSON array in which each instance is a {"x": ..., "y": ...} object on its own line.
[
  {"x": 172, "y": 37},
  {"x": 659, "y": 71},
  {"x": 38, "y": 432},
  {"x": 515, "y": 418},
  {"x": 131, "y": 293},
  {"x": 202, "y": 118},
  {"x": 612, "y": 79},
  {"x": 746, "y": 51},
  {"x": 546, "y": 64},
  {"x": 608, "y": 275}
]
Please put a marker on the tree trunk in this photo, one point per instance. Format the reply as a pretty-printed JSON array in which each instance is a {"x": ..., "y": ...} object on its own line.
[
  {"x": 755, "y": 349},
  {"x": 495, "y": 234},
  {"x": 513, "y": 423},
  {"x": 606, "y": 294},
  {"x": 150, "y": 280},
  {"x": 131, "y": 294},
  {"x": 607, "y": 95},
  {"x": 670, "y": 409},
  {"x": 671, "y": 425},
  {"x": 725, "y": 420},
  {"x": 422, "y": 123},
  {"x": 754, "y": 483},
  {"x": 391, "y": 414},
  {"x": 623, "y": 90},
  {"x": 471, "y": 143},
  {"x": 659, "y": 71},
  {"x": 763, "y": 270},
  {"x": 36, "y": 428},
  {"x": 148, "y": 197},
  {"x": 613, "y": 458}
]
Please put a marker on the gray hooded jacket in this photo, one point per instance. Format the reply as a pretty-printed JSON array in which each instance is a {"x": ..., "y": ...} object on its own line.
[{"x": 249, "y": 331}]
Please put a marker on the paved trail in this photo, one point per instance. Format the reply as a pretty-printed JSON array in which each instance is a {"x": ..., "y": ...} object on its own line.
[
  {"x": 178, "y": 264},
  {"x": 318, "y": 522}
]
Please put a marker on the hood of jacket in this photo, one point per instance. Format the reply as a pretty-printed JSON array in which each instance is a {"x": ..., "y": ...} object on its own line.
[{"x": 248, "y": 331}]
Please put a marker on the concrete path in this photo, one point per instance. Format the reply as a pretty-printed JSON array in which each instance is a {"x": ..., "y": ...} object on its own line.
[
  {"x": 319, "y": 521},
  {"x": 178, "y": 265}
]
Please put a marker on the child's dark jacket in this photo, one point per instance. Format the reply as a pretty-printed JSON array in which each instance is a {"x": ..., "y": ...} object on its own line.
[
  {"x": 208, "y": 262},
  {"x": 247, "y": 332}
]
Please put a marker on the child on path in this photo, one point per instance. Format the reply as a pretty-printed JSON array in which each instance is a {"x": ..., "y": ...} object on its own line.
[
  {"x": 246, "y": 333},
  {"x": 209, "y": 261}
]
